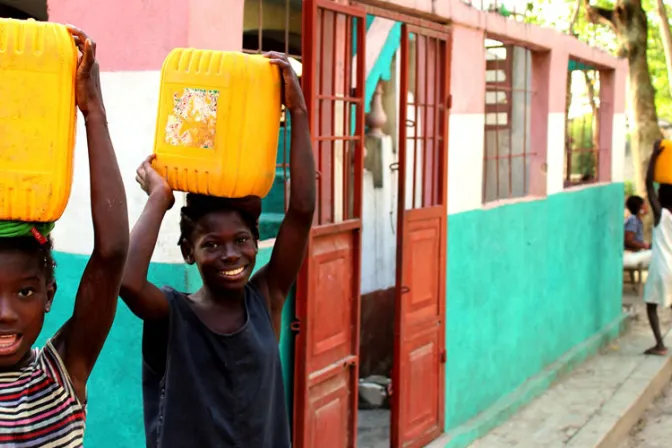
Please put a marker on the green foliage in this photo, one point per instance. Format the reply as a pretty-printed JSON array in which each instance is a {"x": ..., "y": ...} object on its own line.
[
  {"x": 629, "y": 187},
  {"x": 581, "y": 131},
  {"x": 581, "y": 137},
  {"x": 657, "y": 68}
]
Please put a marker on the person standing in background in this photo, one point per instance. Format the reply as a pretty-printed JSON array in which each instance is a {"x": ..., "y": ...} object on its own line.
[{"x": 658, "y": 287}]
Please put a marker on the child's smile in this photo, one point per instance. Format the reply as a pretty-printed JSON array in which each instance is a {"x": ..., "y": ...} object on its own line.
[{"x": 9, "y": 343}]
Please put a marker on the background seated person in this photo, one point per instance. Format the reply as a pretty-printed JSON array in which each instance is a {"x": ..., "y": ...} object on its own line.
[{"x": 637, "y": 251}]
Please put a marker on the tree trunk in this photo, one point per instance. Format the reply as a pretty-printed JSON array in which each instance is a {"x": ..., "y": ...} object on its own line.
[
  {"x": 644, "y": 123},
  {"x": 666, "y": 37},
  {"x": 629, "y": 22},
  {"x": 595, "y": 123}
]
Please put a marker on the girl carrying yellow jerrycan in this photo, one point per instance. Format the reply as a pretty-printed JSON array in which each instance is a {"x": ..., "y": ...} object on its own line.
[
  {"x": 658, "y": 288},
  {"x": 43, "y": 396}
]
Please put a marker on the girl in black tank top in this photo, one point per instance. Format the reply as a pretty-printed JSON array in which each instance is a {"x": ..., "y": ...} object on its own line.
[{"x": 211, "y": 364}]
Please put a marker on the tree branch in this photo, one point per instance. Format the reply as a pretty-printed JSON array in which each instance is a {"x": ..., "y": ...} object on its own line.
[
  {"x": 600, "y": 16},
  {"x": 575, "y": 18},
  {"x": 666, "y": 36}
]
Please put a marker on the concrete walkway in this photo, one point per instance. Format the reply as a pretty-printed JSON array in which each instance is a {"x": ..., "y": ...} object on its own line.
[
  {"x": 599, "y": 402},
  {"x": 654, "y": 430}
]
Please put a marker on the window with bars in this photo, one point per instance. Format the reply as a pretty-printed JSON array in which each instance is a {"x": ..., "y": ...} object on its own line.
[
  {"x": 275, "y": 25},
  {"x": 508, "y": 99},
  {"x": 582, "y": 147}
]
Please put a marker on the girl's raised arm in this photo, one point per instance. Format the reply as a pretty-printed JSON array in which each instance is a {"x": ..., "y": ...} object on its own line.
[
  {"x": 650, "y": 189},
  {"x": 276, "y": 278},
  {"x": 143, "y": 298},
  {"x": 81, "y": 339}
]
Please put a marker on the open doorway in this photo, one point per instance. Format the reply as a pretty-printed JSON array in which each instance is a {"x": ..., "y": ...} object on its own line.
[
  {"x": 379, "y": 245},
  {"x": 355, "y": 67},
  {"x": 404, "y": 238}
]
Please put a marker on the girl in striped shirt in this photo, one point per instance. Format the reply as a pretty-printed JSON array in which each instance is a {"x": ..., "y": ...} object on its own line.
[{"x": 43, "y": 391}]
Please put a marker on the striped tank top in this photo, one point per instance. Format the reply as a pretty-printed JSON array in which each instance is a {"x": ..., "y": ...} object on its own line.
[{"x": 38, "y": 406}]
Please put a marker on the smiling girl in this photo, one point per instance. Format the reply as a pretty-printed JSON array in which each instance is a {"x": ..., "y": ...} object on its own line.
[
  {"x": 211, "y": 370},
  {"x": 43, "y": 391}
]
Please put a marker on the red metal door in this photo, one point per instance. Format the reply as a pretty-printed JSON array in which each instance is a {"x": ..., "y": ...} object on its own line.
[
  {"x": 418, "y": 375},
  {"x": 327, "y": 295}
]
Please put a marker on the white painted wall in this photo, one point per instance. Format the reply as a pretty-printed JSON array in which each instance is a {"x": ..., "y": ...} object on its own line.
[
  {"x": 465, "y": 162},
  {"x": 618, "y": 149},
  {"x": 555, "y": 153},
  {"x": 131, "y": 101},
  {"x": 465, "y": 158},
  {"x": 379, "y": 225},
  {"x": 379, "y": 214}
]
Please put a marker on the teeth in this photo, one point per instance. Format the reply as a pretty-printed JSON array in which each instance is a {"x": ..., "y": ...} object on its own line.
[
  {"x": 233, "y": 272},
  {"x": 7, "y": 340}
]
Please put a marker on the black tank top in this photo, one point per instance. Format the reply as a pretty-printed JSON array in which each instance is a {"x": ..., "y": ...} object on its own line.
[{"x": 206, "y": 390}]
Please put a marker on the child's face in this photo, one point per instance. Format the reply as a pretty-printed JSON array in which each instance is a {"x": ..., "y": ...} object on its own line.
[
  {"x": 24, "y": 299},
  {"x": 644, "y": 210},
  {"x": 223, "y": 248}
]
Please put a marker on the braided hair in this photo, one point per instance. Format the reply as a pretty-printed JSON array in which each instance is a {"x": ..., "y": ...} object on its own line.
[{"x": 199, "y": 205}]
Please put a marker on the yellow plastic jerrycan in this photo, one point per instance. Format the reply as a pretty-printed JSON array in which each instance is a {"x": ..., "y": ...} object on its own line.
[
  {"x": 218, "y": 123},
  {"x": 662, "y": 172},
  {"x": 38, "y": 61}
]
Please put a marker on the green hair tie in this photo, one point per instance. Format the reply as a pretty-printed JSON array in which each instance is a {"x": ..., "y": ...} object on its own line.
[{"x": 15, "y": 229}]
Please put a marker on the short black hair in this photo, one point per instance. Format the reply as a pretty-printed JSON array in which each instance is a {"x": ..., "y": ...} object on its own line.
[
  {"x": 634, "y": 204},
  {"x": 665, "y": 195},
  {"x": 30, "y": 245},
  {"x": 199, "y": 205}
]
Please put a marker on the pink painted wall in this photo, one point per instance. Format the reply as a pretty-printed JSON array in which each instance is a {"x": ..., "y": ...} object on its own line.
[
  {"x": 135, "y": 35},
  {"x": 522, "y": 34},
  {"x": 216, "y": 24},
  {"x": 131, "y": 34},
  {"x": 542, "y": 77},
  {"x": 467, "y": 75}
]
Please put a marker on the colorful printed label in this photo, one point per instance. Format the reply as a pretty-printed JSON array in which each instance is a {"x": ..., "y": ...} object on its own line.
[{"x": 193, "y": 120}]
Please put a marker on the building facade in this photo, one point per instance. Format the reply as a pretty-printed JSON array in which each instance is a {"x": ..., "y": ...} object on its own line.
[{"x": 465, "y": 245}]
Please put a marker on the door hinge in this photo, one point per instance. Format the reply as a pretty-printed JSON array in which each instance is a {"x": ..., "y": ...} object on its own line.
[
  {"x": 449, "y": 101},
  {"x": 442, "y": 356},
  {"x": 295, "y": 326}
]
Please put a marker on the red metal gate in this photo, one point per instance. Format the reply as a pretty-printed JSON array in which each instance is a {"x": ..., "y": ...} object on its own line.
[
  {"x": 327, "y": 298},
  {"x": 418, "y": 374}
]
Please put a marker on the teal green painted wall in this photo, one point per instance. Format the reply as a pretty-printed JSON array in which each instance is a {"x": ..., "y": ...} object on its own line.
[
  {"x": 526, "y": 283},
  {"x": 115, "y": 393}
]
